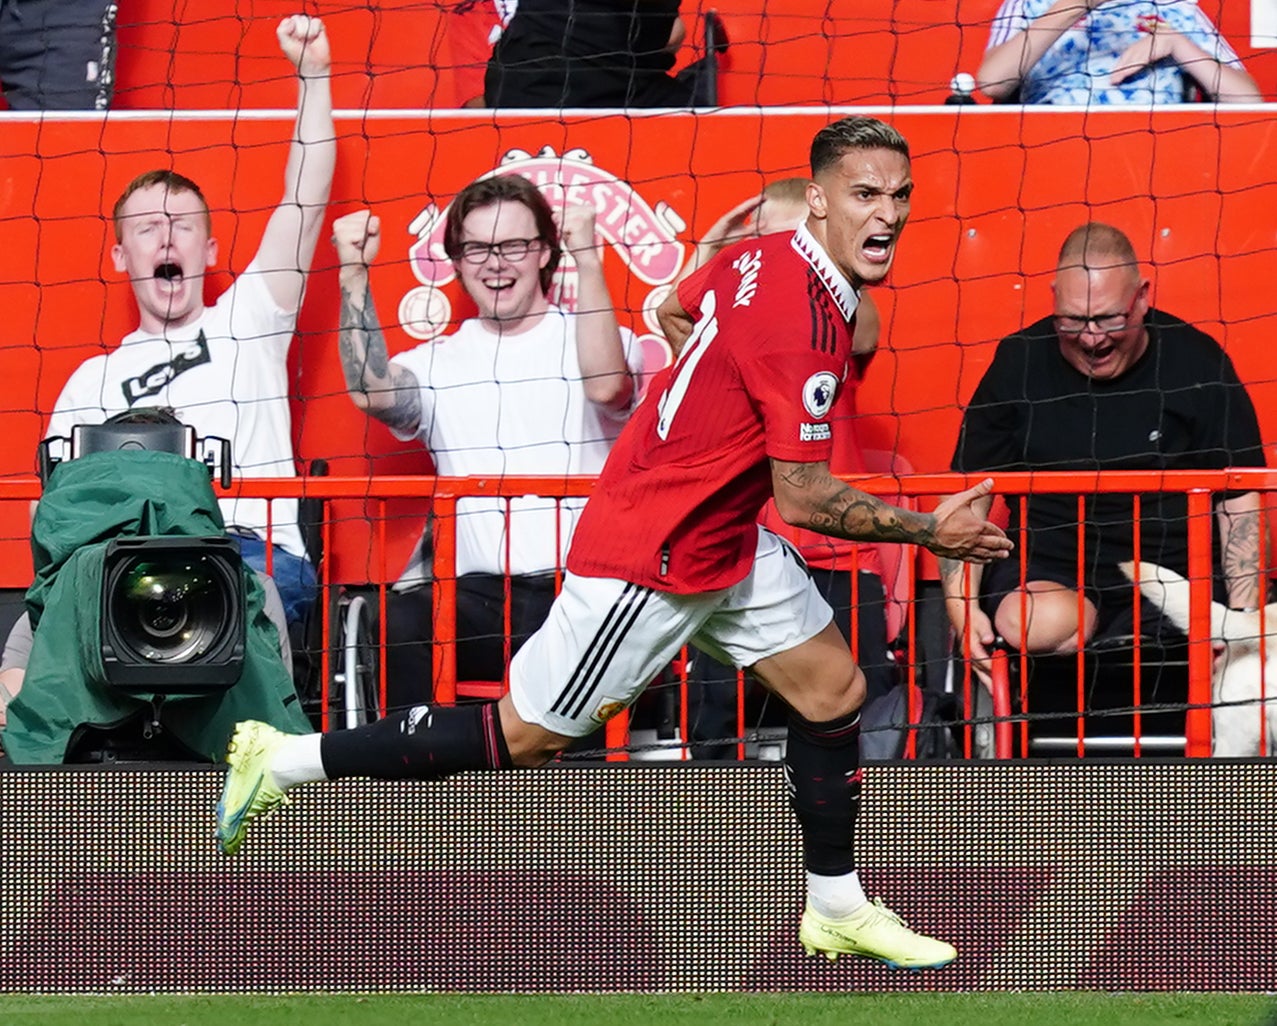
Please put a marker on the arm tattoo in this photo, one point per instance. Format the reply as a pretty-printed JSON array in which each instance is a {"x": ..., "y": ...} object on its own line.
[
  {"x": 1240, "y": 559},
  {"x": 392, "y": 391},
  {"x": 845, "y": 512}
]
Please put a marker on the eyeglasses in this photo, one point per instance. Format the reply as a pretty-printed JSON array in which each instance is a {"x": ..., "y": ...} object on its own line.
[
  {"x": 1105, "y": 324},
  {"x": 507, "y": 249}
]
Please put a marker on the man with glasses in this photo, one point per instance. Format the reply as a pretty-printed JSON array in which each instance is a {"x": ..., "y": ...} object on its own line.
[
  {"x": 1108, "y": 382},
  {"x": 523, "y": 388}
]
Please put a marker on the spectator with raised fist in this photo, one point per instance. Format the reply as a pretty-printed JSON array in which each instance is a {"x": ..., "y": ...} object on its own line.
[
  {"x": 223, "y": 368},
  {"x": 524, "y": 388}
]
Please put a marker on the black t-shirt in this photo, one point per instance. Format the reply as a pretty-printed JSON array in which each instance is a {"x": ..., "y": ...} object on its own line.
[
  {"x": 1181, "y": 406},
  {"x": 586, "y": 53}
]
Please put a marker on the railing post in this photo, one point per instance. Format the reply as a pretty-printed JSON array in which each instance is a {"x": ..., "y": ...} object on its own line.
[
  {"x": 325, "y": 619},
  {"x": 444, "y": 612},
  {"x": 1197, "y": 721}
]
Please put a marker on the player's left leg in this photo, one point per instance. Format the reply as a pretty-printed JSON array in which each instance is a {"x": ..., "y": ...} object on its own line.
[
  {"x": 425, "y": 742},
  {"x": 777, "y": 622}
]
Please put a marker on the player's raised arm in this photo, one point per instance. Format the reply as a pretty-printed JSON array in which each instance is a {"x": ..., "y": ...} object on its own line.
[
  {"x": 808, "y": 495},
  {"x": 288, "y": 244}
]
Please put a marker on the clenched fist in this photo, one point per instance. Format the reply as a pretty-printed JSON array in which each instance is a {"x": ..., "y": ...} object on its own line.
[
  {"x": 305, "y": 43},
  {"x": 578, "y": 235},
  {"x": 357, "y": 238}
]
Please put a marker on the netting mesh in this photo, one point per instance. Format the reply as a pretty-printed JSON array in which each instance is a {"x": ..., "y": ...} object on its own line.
[{"x": 207, "y": 93}]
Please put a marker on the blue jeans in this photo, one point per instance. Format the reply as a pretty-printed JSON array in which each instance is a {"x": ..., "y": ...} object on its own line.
[{"x": 294, "y": 576}]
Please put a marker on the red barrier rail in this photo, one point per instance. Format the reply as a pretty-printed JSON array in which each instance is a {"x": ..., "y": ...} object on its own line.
[{"x": 444, "y": 494}]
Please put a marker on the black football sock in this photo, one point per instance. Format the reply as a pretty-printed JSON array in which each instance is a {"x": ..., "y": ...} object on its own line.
[
  {"x": 822, "y": 767},
  {"x": 426, "y": 742}
]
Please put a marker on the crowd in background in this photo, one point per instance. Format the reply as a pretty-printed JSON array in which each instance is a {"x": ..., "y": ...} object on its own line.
[{"x": 554, "y": 401}]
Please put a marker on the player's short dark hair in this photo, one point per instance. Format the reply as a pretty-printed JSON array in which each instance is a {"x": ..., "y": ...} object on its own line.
[
  {"x": 1096, "y": 244},
  {"x": 172, "y": 181},
  {"x": 497, "y": 189},
  {"x": 853, "y": 133}
]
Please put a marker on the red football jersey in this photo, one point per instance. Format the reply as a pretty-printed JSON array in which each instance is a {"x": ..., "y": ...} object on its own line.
[
  {"x": 676, "y": 507},
  {"x": 823, "y": 551}
]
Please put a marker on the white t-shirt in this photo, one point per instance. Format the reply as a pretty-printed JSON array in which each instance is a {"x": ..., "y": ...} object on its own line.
[
  {"x": 233, "y": 384},
  {"x": 495, "y": 405}
]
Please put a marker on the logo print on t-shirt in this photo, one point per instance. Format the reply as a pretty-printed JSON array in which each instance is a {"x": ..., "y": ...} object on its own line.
[
  {"x": 818, "y": 393},
  {"x": 154, "y": 381}
]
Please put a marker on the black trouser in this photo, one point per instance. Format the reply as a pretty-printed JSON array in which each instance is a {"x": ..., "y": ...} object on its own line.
[
  {"x": 711, "y": 692},
  {"x": 480, "y": 631},
  {"x": 57, "y": 54}
]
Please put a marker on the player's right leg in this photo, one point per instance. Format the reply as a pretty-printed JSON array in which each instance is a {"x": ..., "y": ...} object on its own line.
[
  {"x": 824, "y": 689},
  {"x": 425, "y": 742},
  {"x": 776, "y": 622},
  {"x": 603, "y": 642}
]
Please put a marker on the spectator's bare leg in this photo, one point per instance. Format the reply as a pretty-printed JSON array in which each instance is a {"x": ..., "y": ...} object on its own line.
[{"x": 1049, "y": 622}]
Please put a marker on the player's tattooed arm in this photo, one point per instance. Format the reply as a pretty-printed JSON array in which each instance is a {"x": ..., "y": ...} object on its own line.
[
  {"x": 825, "y": 504},
  {"x": 808, "y": 495},
  {"x": 384, "y": 390}
]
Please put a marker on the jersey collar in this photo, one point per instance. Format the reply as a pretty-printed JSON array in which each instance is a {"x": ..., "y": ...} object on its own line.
[{"x": 839, "y": 287}]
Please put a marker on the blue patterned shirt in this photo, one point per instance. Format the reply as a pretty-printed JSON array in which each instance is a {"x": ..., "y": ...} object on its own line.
[{"x": 1077, "y": 66}]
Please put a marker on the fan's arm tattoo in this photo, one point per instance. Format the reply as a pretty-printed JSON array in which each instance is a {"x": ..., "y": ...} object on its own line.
[
  {"x": 1239, "y": 530},
  {"x": 389, "y": 393}
]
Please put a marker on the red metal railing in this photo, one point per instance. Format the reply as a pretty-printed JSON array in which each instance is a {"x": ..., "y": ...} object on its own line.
[{"x": 444, "y": 494}]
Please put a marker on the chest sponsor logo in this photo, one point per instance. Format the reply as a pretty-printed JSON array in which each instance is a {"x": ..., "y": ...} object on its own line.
[
  {"x": 153, "y": 381},
  {"x": 819, "y": 391},
  {"x": 814, "y": 433}
]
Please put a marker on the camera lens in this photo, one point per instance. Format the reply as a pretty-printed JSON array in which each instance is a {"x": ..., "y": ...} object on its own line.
[{"x": 170, "y": 608}]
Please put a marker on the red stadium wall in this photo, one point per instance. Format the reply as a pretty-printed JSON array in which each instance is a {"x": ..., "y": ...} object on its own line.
[{"x": 997, "y": 190}]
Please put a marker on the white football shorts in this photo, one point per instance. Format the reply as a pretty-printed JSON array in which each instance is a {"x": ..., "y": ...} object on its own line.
[{"x": 605, "y": 640}]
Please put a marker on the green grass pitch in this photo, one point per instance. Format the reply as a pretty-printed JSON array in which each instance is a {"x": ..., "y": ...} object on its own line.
[{"x": 991, "y": 1009}]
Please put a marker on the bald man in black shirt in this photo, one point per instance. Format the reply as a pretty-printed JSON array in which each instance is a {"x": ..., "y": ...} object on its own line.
[{"x": 1106, "y": 383}]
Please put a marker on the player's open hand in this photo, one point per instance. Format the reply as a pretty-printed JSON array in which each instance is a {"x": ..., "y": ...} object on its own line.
[
  {"x": 580, "y": 240},
  {"x": 357, "y": 238},
  {"x": 305, "y": 44},
  {"x": 962, "y": 533}
]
